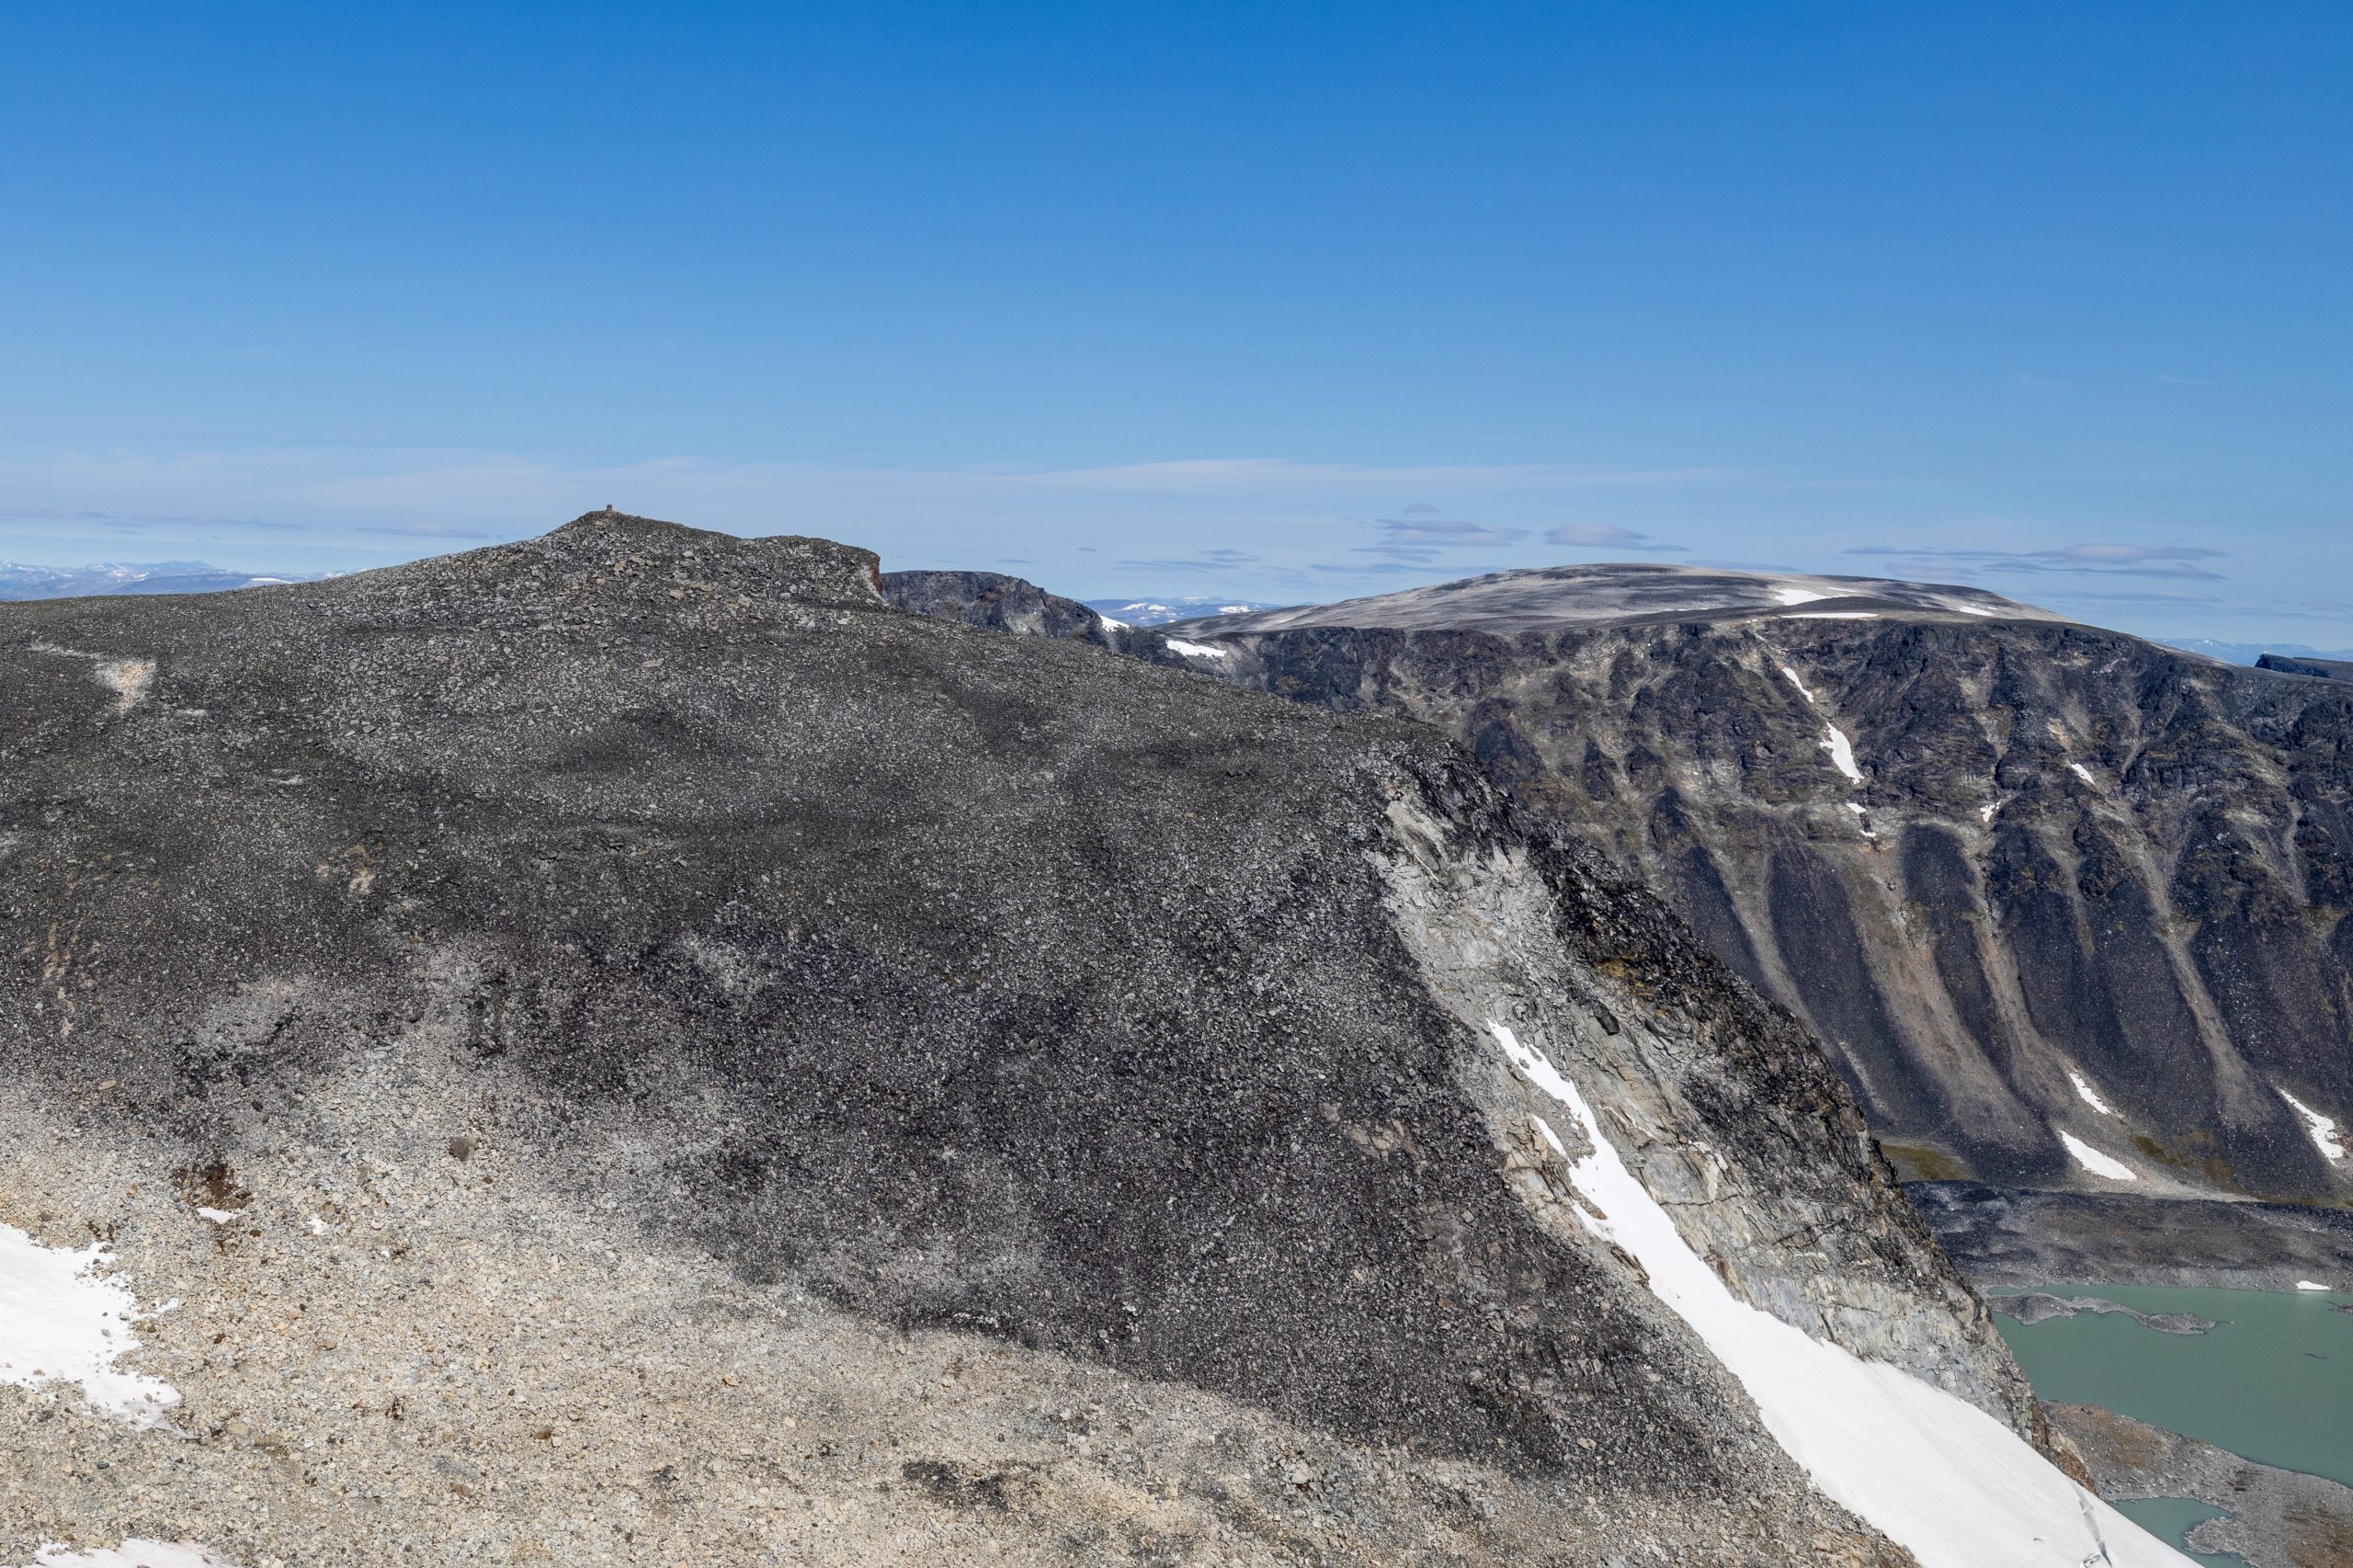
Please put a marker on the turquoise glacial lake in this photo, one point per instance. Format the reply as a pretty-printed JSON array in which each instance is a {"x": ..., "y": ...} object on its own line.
[
  {"x": 2273, "y": 1383},
  {"x": 2170, "y": 1518}
]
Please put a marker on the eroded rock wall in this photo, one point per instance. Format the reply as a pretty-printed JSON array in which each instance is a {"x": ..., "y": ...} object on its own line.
[{"x": 2076, "y": 883}]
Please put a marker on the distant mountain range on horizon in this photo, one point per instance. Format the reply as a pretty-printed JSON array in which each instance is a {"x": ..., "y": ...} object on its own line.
[
  {"x": 22, "y": 581},
  {"x": 19, "y": 581},
  {"x": 2248, "y": 652},
  {"x": 1165, "y": 611}
]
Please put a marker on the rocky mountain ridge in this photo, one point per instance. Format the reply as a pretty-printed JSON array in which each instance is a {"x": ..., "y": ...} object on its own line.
[
  {"x": 2069, "y": 907},
  {"x": 625, "y": 1045}
]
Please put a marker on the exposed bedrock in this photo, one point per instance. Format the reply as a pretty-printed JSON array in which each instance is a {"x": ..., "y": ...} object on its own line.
[
  {"x": 626, "y": 1044},
  {"x": 2068, "y": 908}
]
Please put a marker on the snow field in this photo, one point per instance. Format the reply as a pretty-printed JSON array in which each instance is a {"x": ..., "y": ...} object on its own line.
[
  {"x": 1930, "y": 1471},
  {"x": 2092, "y": 1160},
  {"x": 63, "y": 1321}
]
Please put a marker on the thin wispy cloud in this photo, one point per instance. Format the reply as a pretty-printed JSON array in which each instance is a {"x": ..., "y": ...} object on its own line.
[
  {"x": 1208, "y": 561},
  {"x": 422, "y": 530},
  {"x": 1227, "y": 473},
  {"x": 2109, "y": 559},
  {"x": 1606, "y": 536},
  {"x": 1420, "y": 533},
  {"x": 138, "y": 522},
  {"x": 1401, "y": 569}
]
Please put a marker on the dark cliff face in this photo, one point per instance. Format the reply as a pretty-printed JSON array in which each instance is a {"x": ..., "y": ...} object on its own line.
[
  {"x": 979, "y": 985},
  {"x": 1000, "y": 603},
  {"x": 2083, "y": 883},
  {"x": 2322, "y": 669}
]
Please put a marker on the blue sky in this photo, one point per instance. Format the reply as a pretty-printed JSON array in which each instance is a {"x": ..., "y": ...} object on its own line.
[{"x": 1282, "y": 301}]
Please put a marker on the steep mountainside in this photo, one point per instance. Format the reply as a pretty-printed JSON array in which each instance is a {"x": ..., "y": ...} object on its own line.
[
  {"x": 2069, "y": 907},
  {"x": 627, "y": 1047}
]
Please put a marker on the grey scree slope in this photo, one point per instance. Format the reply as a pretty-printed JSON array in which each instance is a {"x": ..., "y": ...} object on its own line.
[
  {"x": 2071, "y": 852},
  {"x": 700, "y": 1066}
]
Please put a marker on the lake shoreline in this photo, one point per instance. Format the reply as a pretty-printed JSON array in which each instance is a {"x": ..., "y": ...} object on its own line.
[
  {"x": 2272, "y": 1518},
  {"x": 2003, "y": 1237}
]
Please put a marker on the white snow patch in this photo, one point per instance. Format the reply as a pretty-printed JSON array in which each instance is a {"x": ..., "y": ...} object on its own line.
[
  {"x": 1834, "y": 741},
  {"x": 1545, "y": 1132},
  {"x": 1842, "y": 752},
  {"x": 218, "y": 1216},
  {"x": 1834, "y": 615},
  {"x": 1985, "y": 813},
  {"x": 1196, "y": 650},
  {"x": 2089, "y": 1095},
  {"x": 1863, "y": 818},
  {"x": 2322, "y": 1128},
  {"x": 1110, "y": 625},
  {"x": 2092, "y": 1160},
  {"x": 2310, "y": 1285},
  {"x": 61, "y": 1320},
  {"x": 1796, "y": 596},
  {"x": 318, "y": 1226},
  {"x": 1933, "y": 1473},
  {"x": 2080, "y": 771},
  {"x": 1968, "y": 610},
  {"x": 133, "y": 1553}
]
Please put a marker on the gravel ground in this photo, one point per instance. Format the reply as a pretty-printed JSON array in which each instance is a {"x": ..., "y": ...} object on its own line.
[{"x": 428, "y": 1336}]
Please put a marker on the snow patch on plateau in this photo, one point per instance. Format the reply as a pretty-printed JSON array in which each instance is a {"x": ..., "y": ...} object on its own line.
[
  {"x": 1796, "y": 596},
  {"x": 1197, "y": 650},
  {"x": 131, "y": 1553},
  {"x": 2092, "y": 1160},
  {"x": 1930, "y": 1471},
  {"x": 2322, "y": 1129},
  {"x": 1834, "y": 615},
  {"x": 2089, "y": 1095},
  {"x": 63, "y": 1321}
]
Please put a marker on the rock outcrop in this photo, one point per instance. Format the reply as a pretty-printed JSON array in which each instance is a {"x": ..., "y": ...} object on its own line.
[
  {"x": 2069, "y": 908},
  {"x": 625, "y": 1046},
  {"x": 2322, "y": 669},
  {"x": 2271, "y": 1518}
]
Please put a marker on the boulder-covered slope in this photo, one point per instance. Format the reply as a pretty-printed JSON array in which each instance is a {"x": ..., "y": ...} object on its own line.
[
  {"x": 2070, "y": 908},
  {"x": 627, "y": 1047}
]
